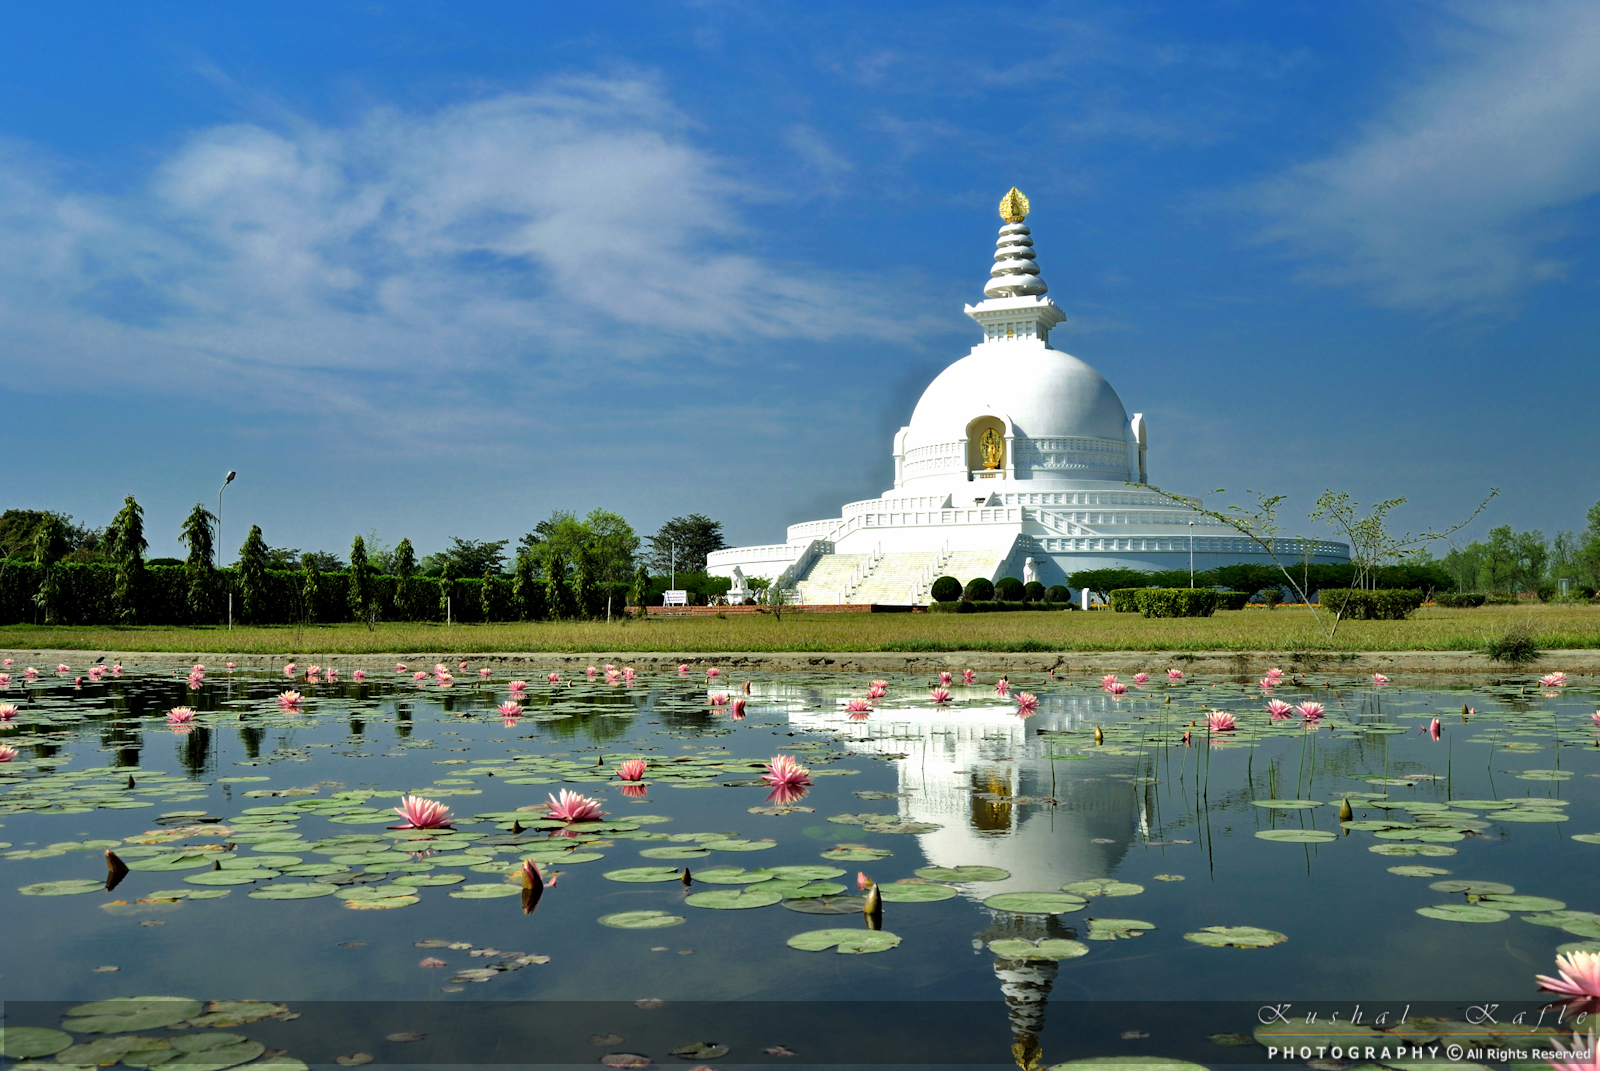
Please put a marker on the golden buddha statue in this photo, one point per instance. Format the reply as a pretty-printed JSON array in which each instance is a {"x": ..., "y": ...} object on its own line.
[{"x": 992, "y": 447}]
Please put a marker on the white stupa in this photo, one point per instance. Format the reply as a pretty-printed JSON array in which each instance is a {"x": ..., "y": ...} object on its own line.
[{"x": 1019, "y": 460}]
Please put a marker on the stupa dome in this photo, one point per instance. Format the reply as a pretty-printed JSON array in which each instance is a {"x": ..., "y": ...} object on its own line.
[{"x": 1045, "y": 393}]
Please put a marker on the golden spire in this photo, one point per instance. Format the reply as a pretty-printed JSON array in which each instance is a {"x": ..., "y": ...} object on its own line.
[{"x": 1014, "y": 206}]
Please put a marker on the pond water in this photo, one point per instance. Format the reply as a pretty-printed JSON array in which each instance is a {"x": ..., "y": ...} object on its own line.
[{"x": 1124, "y": 851}]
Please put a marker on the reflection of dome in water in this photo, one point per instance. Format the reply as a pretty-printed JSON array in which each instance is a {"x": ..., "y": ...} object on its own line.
[{"x": 973, "y": 770}]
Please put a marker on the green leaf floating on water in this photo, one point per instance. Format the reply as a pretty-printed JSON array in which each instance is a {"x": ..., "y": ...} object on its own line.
[
  {"x": 230, "y": 877},
  {"x": 1561, "y": 919},
  {"x": 109, "y": 1050},
  {"x": 856, "y": 854},
  {"x": 641, "y": 920},
  {"x": 69, "y": 887},
  {"x": 1472, "y": 888},
  {"x": 1418, "y": 871},
  {"x": 1411, "y": 849},
  {"x": 962, "y": 873},
  {"x": 1047, "y": 948},
  {"x": 1235, "y": 937},
  {"x": 908, "y": 892},
  {"x": 848, "y": 942},
  {"x": 732, "y": 876},
  {"x": 1286, "y": 805},
  {"x": 826, "y": 905},
  {"x": 1586, "y": 838},
  {"x": 1129, "y": 1063},
  {"x": 1522, "y": 903},
  {"x": 1297, "y": 836},
  {"x": 1463, "y": 913},
  {"x": 1531, "y": 814},
  {"x": 486, "y": 891},
  {"x": 424, "y": 880},
  {"x": 645, "y": 873},
  {"x": 128, "y": 1013},
  {"x": 1036, "y": 903},
  {"x": 1116, "y": 929},
  {"x": 21, "y": 1042},
  {"x": 179, "y": 861},
  {"x": 675, "y": 851},
  {"x": 733, "y": 899},
  {"x": 801, "y": 873},
  {"x": 1103, "y": 887},
  {"x": 199, "y": 1052},
  {"x": 292, "y": 890}
]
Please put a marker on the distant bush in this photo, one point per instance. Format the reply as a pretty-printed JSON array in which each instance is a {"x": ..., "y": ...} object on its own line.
[
  {"x": 1058, "y": 593},
  {"x": 960, "y": 606},
  {"x": 1033, "y": 591},
  {"x": 1547, "y": 592},
  {"x": 1501, "y": 599},
  {"x": 1177, "y": 602},
  {"x": 946, "y": 589},
  {"x": 1226, "y": 600},
  {"x": 1458, "y": 598},
  {"x": 1359, "y": 604},
  {"x": 1514, "y": 647},
  {"x": 1270, "y": 596},
  {"x": 994, "y": 606},
  {"x": 978, "y": 589},
  {"x": 1125, "y": 600},
  {"x": 1009, "y": 589}
]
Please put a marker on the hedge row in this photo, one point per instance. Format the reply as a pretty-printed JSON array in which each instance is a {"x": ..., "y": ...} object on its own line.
[
  {"x": 1384, "y": 604},
  {"x": 947, "y": 589},
  {"x": 993, "y": 606},
  {"x": 1177, "y": 602},
  {"x": 84, "y": 594},
  {"x": 1459, "y": 598}
]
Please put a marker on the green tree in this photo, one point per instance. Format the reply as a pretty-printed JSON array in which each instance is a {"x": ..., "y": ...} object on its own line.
[
  {"x": 447, "y": 588},
  {"x": 126, "y": 543},
  {"x": 524, "y": 587},
  {"x": 640, "y": 594},
  {"x": 694, "y": 536},
  {"x": 360, "y": 593},
  {"x": 310, "y": 583},
  {"x": 50, "y": 540},
  {"x": 470, "y": 557},
  {"x": 252, "y": 570},
  {"x": 557, "y": 599},
  {"x": 405, "y": 559},
  {"x": 585, "y": 596},
  {"x": 1104, "y": 581},
  {"x": 1588, "y": 553},
  {"x": 198, "y": 566}
]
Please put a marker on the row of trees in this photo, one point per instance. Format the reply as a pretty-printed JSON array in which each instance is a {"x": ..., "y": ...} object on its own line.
[
  {"x": 1510, "y": 561},
  {"x": 565, "y": 568}
]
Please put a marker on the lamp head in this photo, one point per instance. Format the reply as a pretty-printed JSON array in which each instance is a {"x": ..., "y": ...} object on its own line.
[{"x": 231, "y": 475}]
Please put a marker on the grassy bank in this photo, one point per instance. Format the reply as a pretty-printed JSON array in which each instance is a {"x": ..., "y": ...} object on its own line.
[{"x": 1430, "y": 629}]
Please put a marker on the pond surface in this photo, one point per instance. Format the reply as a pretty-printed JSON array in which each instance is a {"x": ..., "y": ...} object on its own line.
[{"x": 1166, "y": 861}]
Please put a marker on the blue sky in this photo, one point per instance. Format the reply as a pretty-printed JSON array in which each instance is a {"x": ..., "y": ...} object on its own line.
[{"x": 438, "y": 269}]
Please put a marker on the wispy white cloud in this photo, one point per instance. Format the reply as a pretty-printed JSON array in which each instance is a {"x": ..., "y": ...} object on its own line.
[
  {"x": 1451, "y": 199},
  {"x": 568, "y": 233}
]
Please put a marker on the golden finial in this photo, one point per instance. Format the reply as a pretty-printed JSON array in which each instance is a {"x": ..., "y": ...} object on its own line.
[{"x": 1014, "y": 206}]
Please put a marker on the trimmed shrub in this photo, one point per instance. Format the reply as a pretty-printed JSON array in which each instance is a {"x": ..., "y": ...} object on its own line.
[
  {"x": 946, "y": 589},
  {"x": 1226, "y": 600},
  {"x": 1033, "y": 592},
  {"x": 1177, "y": 602},
  {"x": 960, "y": 606},
  {"x": 1058, "y": 593},
  {"x": 1458, "y": 599},
  {"x": 1384, "y": 604},
  {"x": 994, "y": 606},
  {"x": 1547, "y": 592},
  {"x": 978, "y": 589},
  {"x": 1009, "y": 589},
  {"x": 1126, "y": 600},
  {"x": 1502, "y": 599}
]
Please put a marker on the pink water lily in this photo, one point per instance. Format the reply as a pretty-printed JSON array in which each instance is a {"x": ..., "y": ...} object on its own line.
[
  {"x": 1580, "y": 976},
  {"x": 632, "y": 770},
  {"x": 1027, "y": 704},
  {"x": 230, "y": 665},
  {"x": 359, "y": 675},
  {"x": 968, "y": 677},
  {"x": 1140, "y": 678},
  {"x": 738, "y": 708},
  {"x": 1554, "y": 680},
  {"x": 1002, "y": 687},
  {"x": 940, "y": 695},
  {"x": 518, "y": 686},
  {"x": 857, "y": 705},
  {"x": 1269, "y": 683},
  {"x": 180, "y": 716},
  {"x": 719, "y": 698},
  {"x": 1220, "y": 721},
  {"x": 628, "y": 673},
  {"x": 1275, "y": 674},
  {"x": 116, "y": 669},
  {"x": 862, "y": 881},
  {"x": 422, "y": 813},
  {"x": 289, "y": 702},
  {"x": 1584, "y": 1055},
  {"x": 1108, "y": 680},
  {"x": 1311, "y": 710},
  {"x": 1379, "y": 680},
  {"x": 554, "y": 678},
  {"x": 485, "y": 672},
  {"x": 31, "y": 674},
  {"x": 944, "y": 677},
  {"x": 5, "y": 680},
  {"x": 509, "y": 709},
  {"x": 573, "y": 806},
  {"x": 7, "y": 753},
  {"x": 877, "y": 691},
  {"x": 1174, "y": 674},
  {"x": 289, "y": 669},
  {"x": 784, "y": 770},
  {"x": 784, "y": 795},
  {"x": 63, "y": 669},
  {"x": 419, "y": 676},
  {"x": 591, "y": 671},
  {"x": 1595, "y": 717},
  {"x": 1116, "y": 688},
  {"x": 96, "y": 672},
  {"x": 683, "y": 669},
  {"x": 1278, "y": 709},
  {"x": 1434, "y": 729},
  {"x": 399, "y": 667},
  {"x": 9, "y": 711},
  {"x": 713, "y": 672},
  {"x": 633, "y": 790}
]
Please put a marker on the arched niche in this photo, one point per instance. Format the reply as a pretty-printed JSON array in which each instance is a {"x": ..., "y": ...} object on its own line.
[{"x": 976, "y": 434}]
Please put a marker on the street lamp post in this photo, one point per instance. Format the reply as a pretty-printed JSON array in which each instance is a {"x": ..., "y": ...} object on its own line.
[
  {"x": 218, "y": 555},
  {"x": 1191, "y": 554}
]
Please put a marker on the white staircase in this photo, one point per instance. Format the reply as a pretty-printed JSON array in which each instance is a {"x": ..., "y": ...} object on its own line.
[
  {"x": 896, "y": 580},
  {"x": 967, "y": 565},
  {"x": 831, "y": 578}
]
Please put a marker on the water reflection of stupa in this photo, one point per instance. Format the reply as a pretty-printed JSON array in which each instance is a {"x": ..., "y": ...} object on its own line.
[{"x": 985, "y": 776}]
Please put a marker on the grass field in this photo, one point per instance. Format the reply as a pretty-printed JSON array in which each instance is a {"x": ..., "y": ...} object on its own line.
[{"x": 1284, "y": 629}]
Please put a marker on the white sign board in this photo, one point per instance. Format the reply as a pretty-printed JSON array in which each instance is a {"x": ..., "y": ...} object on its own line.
[{"x": 675, "y": 598}]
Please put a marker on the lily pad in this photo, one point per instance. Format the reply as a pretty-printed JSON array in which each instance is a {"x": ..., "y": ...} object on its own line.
[
  {"x": 962, "y": 873},
  {"x": 129, "y": 1013},
  {"x": 200, "y": 1052},
  {"x": 675, "y": 851},
  {"x": 1463, "y": 913},
  {"x": 802, "y": 873},
  {"x": 1103, "y": 887},
  {"x": 1531, "y": 814},
  {"x": 641, "y": 920},
  {"x": 1586, "y": 838},
  {"x": 486, "y": 891},
  {"x": 732, "y": 876},
  {"x": 1472, "y": 888},
  {"x": 1297, "y": 836},
  {"x": 177, "y": 861},
  {"x": 292, "y": 890},
  {"x": 645, "y": 873},
  {"x": 230, "y": 877},
  {"x": 1129, "y": 1063},
  {"x": 425, "y": 880},
  {"x": 700, "y": 1050},
  {"x": 1286, "y": 805},
  {"x": 737, "y": 845},
  {"x": 1418, "y": 871},
  {"x": 848, "y": 942},
  {"x": 1047, "y": 948},
  {"x": 1116, "y": 929},
  {"x": 909, "y": 892},
  {"x": 109, "y": 1050},
  {"x": 855, "y": 853},
  {"x": 1412, "y": 849},
  {"x": 1036, "y": 903},
  {"x": 1522, "y": 903},
  {"x": 21, "y": 1042},
  {"x": 827, "y": 905},
  {"x": 68, "y": 887},
  {"x": 1235, "y": 937},
  {"x": 733, "y": 899}
]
